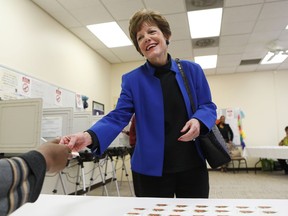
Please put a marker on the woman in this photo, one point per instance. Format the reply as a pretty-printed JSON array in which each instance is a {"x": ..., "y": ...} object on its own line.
[
  {"x": 228, "y": 135},
  {"x": 167, "y": 161},
  {"x": 225, "y": 130}
]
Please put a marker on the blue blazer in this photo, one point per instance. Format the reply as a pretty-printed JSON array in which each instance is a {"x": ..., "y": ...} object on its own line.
[{"x": 142, "y": 94}]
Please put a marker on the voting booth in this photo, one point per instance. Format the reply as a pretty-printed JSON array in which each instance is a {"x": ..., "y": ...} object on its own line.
[{"x": 20, "y": 125}]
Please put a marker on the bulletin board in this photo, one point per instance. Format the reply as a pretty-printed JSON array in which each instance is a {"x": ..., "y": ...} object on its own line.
[
  {"x": 233, "y": 117},
  {"x": 17, "y": 85}
]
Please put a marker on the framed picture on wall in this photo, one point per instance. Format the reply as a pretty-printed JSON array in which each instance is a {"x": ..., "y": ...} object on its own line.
[{"x": 97, "y": 108}]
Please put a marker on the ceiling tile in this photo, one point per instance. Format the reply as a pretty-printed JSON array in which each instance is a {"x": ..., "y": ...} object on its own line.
[
  {"x": 253, "y": 55},
  {"x": 225, "y": 70},
  {"x": 124, "y": 25},
  {"x": 232, "y": 40},
  {"x": 83, "y": 32},
  {"x": 51, "y": 5},
  {"x": 284, "y": 65},
  {"x": 92, "y": 15},
  {"x": 124, "y": 10},
  {"x": 211, "y": 71},
  {"x": 206, "y": 51},
  {"x": 248, "y": 28},
  {"x": 180, "y": 48},
  {"x": 284, "y": 36},
  {"x": 256, "y": 48},
  {"x": 167, "y": 6},
  {"x": 246, "y": 68},
  {"x": 265, "y": 25},
  {"x": 76, "y": 4},
  {"x": 96, "y": 44},
  {"x": 237, "y": 28},
  {"x": 178, "y": 24},
  {"x": 108, "y": 55},
  {"x": 231, "y": 49},
  {"x": 264, "y": 38},
  {"x": 236, "y": 14},
  {"x": 65, "y": 18},
  {"x": 267, "y": 67},
  {"x": 229, "y": 60},
  {"x": 274, "y": 10},
  {"x": 233, "y": 3},
  {"x": 130, "y": 54}
]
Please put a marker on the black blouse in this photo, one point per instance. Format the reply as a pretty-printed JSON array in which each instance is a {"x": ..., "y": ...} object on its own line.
[{"x": 178, "y": 156}]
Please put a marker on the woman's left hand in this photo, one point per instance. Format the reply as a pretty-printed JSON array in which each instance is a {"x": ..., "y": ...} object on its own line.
[{"x": 191, "y": 130}]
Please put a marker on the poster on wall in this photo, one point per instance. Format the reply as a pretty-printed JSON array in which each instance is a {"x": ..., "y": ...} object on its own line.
[
  {"x": 58, "y": 97},
  {"x": 8, "y": 85},
  {"x": 25, "y": 86},
  {"x": 17, "y": 85},
  {"x": 79, "y": 102},
  {"x": 233, "y": 117}
]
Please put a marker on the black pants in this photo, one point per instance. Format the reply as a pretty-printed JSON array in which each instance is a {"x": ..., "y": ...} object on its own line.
[{"x": 189, "y": 184}]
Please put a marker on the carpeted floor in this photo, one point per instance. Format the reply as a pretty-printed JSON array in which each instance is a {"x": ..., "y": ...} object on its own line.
[{"x": 242, "y": 185}]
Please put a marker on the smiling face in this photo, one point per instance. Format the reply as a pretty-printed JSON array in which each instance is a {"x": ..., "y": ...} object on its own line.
[{"x": 152, "y": 44}]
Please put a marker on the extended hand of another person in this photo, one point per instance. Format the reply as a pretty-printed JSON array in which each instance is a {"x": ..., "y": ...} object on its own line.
[
  {"x": 55, "y": 154},
  {"x": 191, "y": 130},
  {"x": 77, "y": 142}
]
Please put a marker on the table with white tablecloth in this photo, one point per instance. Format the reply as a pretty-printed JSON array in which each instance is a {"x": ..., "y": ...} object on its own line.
[
  {"x": 67, "y": 205},
  {"x": 271, "y": 152}
]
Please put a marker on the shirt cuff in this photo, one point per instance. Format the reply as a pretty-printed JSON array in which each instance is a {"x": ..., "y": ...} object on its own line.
[
  {"x": 94, "y": 146},
  {"x": 37, "y": 164}
]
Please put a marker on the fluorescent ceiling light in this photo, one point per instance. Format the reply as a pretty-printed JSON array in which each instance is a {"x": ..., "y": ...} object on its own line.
[
  {"x": 286, "y": 27},
  {"x": 206, "y": 62},
  {"x": 205, "y": 23},
  {"x": 110, "y": 34},
  {"x": 272, "y": 58}
]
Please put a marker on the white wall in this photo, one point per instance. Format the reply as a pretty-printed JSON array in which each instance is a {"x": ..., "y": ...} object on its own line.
[
  {"x": 35, "y": 44},
  {"x": 117, "y": 71},
  {"x": 261, "y": 96},
  {"x": 32, "y": 42}
]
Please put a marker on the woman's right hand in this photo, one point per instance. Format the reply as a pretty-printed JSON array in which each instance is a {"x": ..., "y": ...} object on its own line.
[{"x": 77, "y": 142}]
